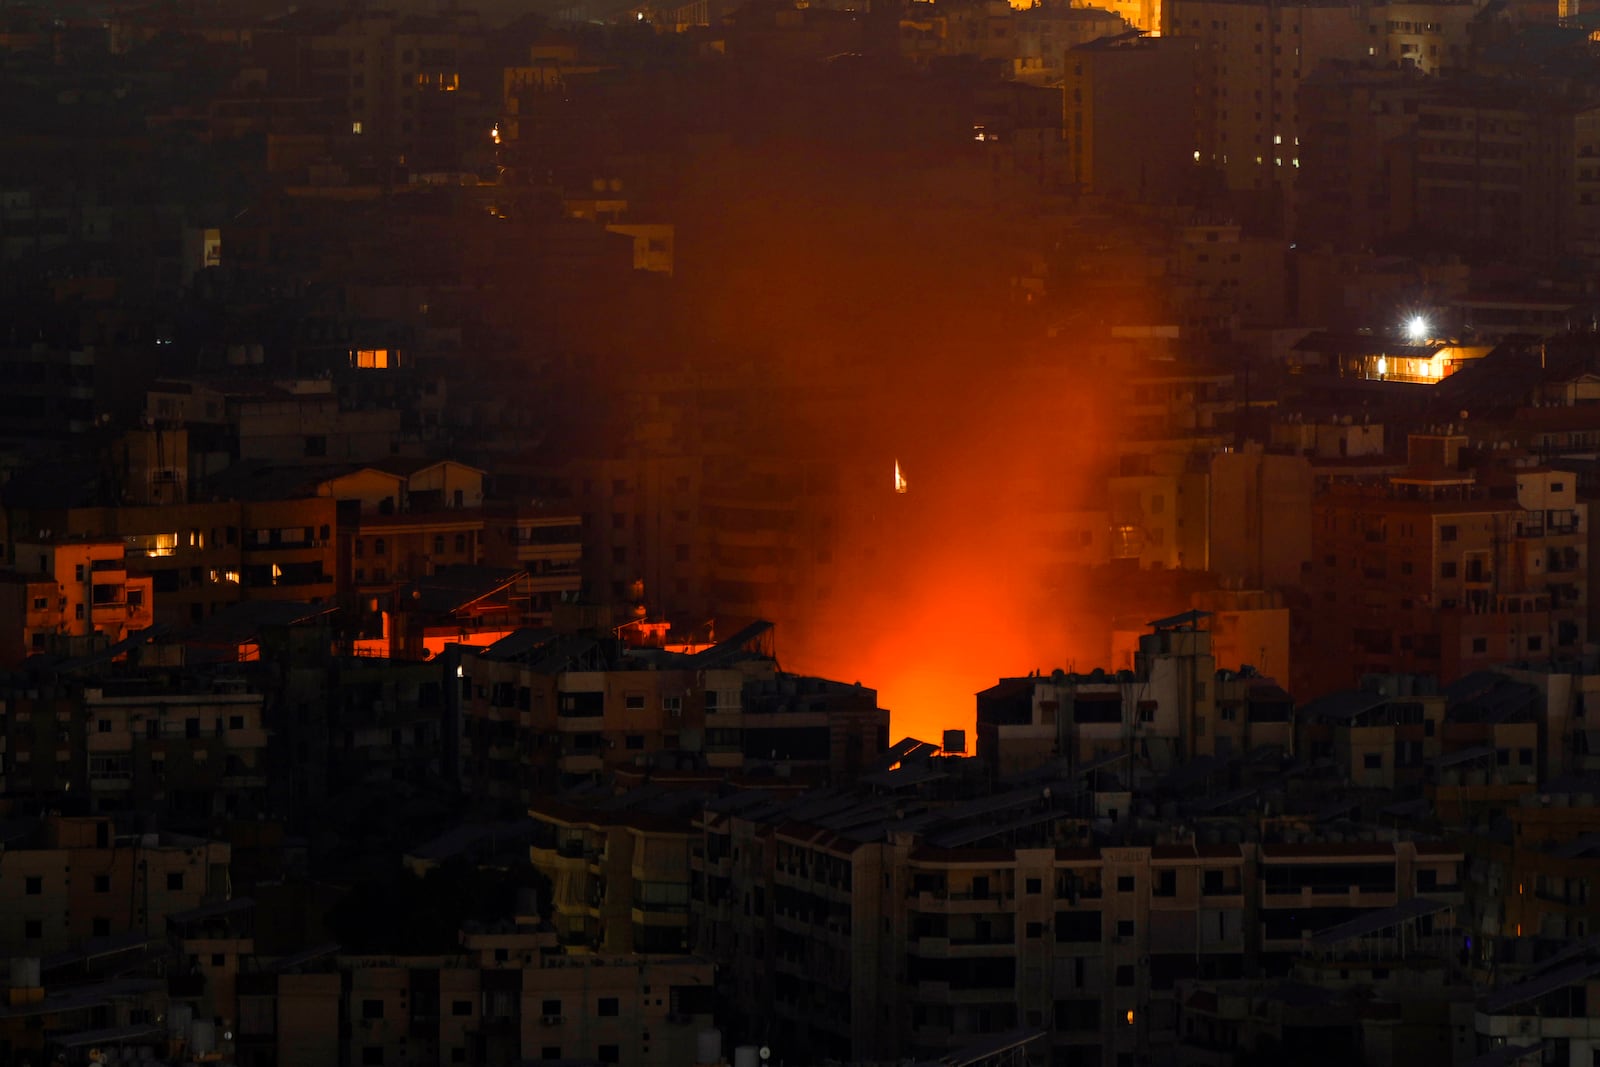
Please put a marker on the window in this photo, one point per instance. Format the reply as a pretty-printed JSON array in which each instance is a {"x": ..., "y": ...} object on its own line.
[
  {"x": 372, "y": 1056},
  {"x": 461, "y": 542},
  {"x": 1480, "y": 645},
  {"x": 635, "y": 742},
  {"x": 1124, "y": 927},
  {"x": 33, "y": 885},
  {"x": 1125, "y": 975},
  {"x": 1372, "y": 761},
  {"x": 1525, "y": 757},
  {"x": 101, "y": 927},
  {"x": 550, "y": 1007},
  {"x": 372, "y": 1009},
  {"x": 102, "y": 883},
  {"x": 438, "y": 544},
  {"x": 1447, "y": 532},
  {"x": 608, "y": 1006},
  {"x": 1035, "y": 930},
  {"x": 460, "y": 1007},
  {"x": 1124, "y": 883},
  {"x": 608, "y": 1054},
  {"x": 219, "y": 959},
  {"x": 634, "y": 701},
  {"x": 33, "y": 929},
  {"x": 103, "y": 726},
  {"x": 1034, "y": 886},
  {"x": 1447, "y": 569},
  {"x": 236, "y": 722}
]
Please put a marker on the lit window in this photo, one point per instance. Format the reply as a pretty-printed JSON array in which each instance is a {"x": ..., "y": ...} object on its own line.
[{"x": 355, "y": 127}]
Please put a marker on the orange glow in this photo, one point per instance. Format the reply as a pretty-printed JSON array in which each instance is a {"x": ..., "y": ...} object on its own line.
[
  {"x": 894, "y": 341},
  {"x": 967, "y": 580}
]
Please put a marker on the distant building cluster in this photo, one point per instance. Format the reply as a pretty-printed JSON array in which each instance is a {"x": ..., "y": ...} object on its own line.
[{"x": 800, "y": 532}]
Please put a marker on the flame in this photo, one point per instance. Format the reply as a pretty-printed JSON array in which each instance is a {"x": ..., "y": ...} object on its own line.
[{"x": 900, "y": 485}]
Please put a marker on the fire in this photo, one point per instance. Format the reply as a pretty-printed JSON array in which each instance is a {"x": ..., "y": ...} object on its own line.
[{"x": 900, "y": 485}]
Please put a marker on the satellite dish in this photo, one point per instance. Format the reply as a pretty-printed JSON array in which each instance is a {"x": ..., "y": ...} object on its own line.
[{"x": 765, "y": 1053}]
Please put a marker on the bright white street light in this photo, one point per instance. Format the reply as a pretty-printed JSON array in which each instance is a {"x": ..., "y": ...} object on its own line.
[{"x": 1417, "y": 329}]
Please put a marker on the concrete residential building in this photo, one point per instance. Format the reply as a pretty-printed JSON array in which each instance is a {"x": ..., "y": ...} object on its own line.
[
  {"x": 1439, "y": 573},
  {"x": 620, "y": 879},
  {"x": 895, "y": 921},
  {"x": 1131, "y": 81},
  {"x": 1172, "y": 706},
  {"x": 1254, "y": 55},
  {"x": 94, "y": 596},
  {"x": 65, "y": 880},
  {"x": 545, "y": 709}
]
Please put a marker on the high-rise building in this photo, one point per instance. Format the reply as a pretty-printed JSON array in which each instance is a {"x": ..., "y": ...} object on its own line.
[{"x": 1132, "y": 82}]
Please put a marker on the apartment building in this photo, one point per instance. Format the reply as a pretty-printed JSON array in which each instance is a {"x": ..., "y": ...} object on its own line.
[
  {"x": 70, "y": 595},
  {"x": 619, "y": 878},
  {"x": 66, "y": 880},
  {"x": 898, "y": 921},
  {"x": 1254, "y": 56},
  {"x": 1441, "y": 573},
  {"x": 186, "y": 744},
  {"x": 1550, "y": 1009},
  {"x": 201, "y": 557},
  {"x": 547, "y": 543},
  {"x": 539, "y": 709},
  {"x": 1379, "y": 737},
  {"x": 646, "y": 1009},
  {"x": 1355, "y": 186},
  {"x": 1173, "y": 705}
]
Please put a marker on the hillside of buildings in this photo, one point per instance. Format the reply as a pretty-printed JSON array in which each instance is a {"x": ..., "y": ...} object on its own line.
[{"x": 810, "y": 532}]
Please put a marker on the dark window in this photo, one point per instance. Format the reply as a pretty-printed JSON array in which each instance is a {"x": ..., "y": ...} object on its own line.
[
  {"x": 175, "y": 881},
  {"x": 608, "y": 1006},
  {"x": 1372, "y": 761},
  {"x": 1034, "y": 886},
  {"x": 101, "y": 927},
  {"x": 1124, "y": 927},
  {"x": 102, "y": 883},
  {"x": 33, "y": 885},
  {"x": 33, "y": 929},
  {"x": 461, "y": 1007},
  {"x": 608, "y": 1054},
  {"x": 372, "y": 1056},
  {"x": 1124, "y": 883},
  {"x": 372, "y": 1009},
  {"x": 1077, "y": 926},
  {"x": 550, "y": 1007},
  {"x": 1125, "y": 975}
]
